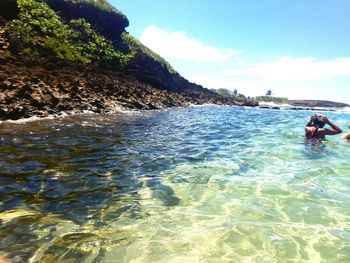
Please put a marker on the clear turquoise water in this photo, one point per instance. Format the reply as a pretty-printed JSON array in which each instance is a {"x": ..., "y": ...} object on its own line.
[{"x": 208, "y": 184}]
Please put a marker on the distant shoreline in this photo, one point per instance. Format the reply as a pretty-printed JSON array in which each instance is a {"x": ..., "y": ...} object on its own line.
[
  {"x": 311, "y": 105},
  {"x": 317, "y": 103}
]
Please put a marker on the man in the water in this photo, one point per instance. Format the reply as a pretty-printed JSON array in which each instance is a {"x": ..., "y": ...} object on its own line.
[
  {"x": 314, "y": 129},
  {"x": 347, "y": 135}
]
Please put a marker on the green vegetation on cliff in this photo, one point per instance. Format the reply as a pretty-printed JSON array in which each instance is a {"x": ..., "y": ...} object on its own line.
[
  {"x": 226, "y": 92},
  {"x": 104, "y": 18},
  {"x": 232, "y": 94},
  {"x": 238, "y": 98},
  {"x": 42, "y": 31}
]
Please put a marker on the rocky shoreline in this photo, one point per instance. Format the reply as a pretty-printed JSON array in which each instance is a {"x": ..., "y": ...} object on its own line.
[
  {"x": 37, "y": 86},
  {"x": 31, "y": 87},
  {"x": 41, "y": 87}
]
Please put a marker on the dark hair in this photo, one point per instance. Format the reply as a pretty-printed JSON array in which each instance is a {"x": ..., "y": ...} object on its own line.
[{"x": 316, "y": 121}]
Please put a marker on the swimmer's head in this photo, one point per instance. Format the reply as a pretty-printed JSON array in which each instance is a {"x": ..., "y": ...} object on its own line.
[{"x": 316, "y": 121}]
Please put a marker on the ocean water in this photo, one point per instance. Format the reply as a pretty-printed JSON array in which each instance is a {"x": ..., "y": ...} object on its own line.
[{"x": 202, "y": 184}]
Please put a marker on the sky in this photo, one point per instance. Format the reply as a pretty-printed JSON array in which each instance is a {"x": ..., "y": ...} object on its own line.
[{"x": 296, "y": 48}]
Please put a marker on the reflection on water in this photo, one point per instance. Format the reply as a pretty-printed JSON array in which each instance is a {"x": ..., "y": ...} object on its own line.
[{"x": 208, "y": 184}]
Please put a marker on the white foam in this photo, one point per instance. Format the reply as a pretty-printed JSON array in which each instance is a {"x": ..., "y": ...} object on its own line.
[
  {"x": 345, "y": 109},
  {"x": 63, "y": 114},
  {"x": 272, "y": 104},
  {"x": 204, "y": 105},
  {"x": 30, "y": 119}
]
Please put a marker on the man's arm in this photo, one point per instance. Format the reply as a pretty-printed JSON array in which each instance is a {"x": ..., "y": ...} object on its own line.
[{"x": 335, "y": 128}]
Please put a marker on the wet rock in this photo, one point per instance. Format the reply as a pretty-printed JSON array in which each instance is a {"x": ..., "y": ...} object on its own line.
[
  {"x": 34, "y": 79},
  {"x": 24, "y": 92},
  {"x": 16, "y": 113},
  {"x": 98, "y": 104},
  {"x": 54, "y": 101}
]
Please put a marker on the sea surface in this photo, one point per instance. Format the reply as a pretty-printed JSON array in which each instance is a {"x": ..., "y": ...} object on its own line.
[{"x": 200, "y": 184}]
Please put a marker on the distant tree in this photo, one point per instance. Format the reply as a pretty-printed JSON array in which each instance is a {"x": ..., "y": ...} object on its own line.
[
  {"x": 224, "y": 92},
  {"x": 235, "y": 92},
  {"x": 241, "y": 97},
  {"x": 231, "y": 94},
  {"x": 268, "y": 93}
]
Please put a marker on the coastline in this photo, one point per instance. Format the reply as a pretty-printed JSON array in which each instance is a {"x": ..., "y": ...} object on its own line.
[
  {"x": 47, "y": 87},
  {"x": 275, "y": 106},
  {"x": 42, "y": 87}
]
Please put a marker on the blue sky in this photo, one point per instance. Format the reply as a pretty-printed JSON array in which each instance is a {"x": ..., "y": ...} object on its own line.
[{"x": 299, "y": 49}]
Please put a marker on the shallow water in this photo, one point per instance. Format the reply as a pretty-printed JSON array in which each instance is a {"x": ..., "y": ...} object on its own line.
[{"x": 206, "y": 184}]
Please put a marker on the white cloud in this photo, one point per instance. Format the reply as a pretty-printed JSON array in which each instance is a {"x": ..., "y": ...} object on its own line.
[
  {"x": 180, "y": 46},
  {"x": 288, "y": 68}
]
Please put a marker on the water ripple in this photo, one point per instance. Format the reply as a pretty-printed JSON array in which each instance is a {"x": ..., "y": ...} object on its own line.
[{"x": 207, "y": 184}]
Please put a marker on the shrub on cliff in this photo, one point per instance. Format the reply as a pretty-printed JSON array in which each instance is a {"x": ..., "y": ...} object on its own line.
[
  {"x": 109, "y": 21},
  {"x": 225, "y": 92},
  {"x": 41, "y": 30}
]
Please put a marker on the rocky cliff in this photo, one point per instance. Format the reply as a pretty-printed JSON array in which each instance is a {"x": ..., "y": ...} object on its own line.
[{"x": 66, "y": 55}]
